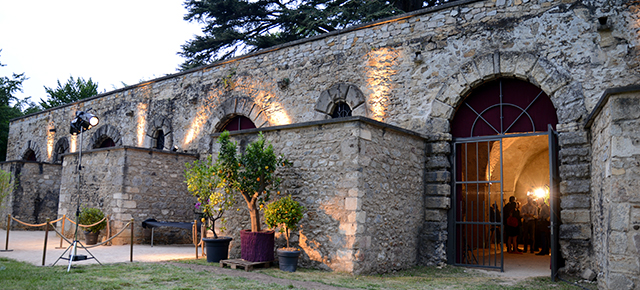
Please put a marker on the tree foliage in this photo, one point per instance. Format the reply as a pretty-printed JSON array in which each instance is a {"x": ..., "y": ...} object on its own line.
[
  {"x": 11, "y": 107},
  {"x": 242, "y": 26},
  {"x": 203, "y": 182},
  {"x": 73, "y": 90},
  {"x": 6, "y": 185},
  {"x": 286, "y": 213},
  {"x": 252, "y": 174}
]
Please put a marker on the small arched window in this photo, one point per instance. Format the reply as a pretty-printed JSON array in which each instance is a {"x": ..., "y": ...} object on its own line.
[
  {"x": 238, "y": 123},
  {"x": 159, "y": 140},
  {"x": 341, "y": 110},
  {"x": 30, "y": 156},
  {"x": 108, "y": 142}
]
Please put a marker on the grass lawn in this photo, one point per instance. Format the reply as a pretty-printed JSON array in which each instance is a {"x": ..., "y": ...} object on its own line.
[{"x": 19, "y": 275}]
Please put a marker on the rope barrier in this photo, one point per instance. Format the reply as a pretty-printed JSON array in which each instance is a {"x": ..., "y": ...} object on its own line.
[
  {"x": 99, "y": 244},
  {"x": 84, "y": 226},
  {"x": 35, "y": 225}
]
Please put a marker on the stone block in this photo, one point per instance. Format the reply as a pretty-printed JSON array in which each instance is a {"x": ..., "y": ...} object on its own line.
[
  {"x": 629, "y": 264},
  {"x": 351, "y": 203},
  {"x": 625, "y": 108},
  {"x": 437, "y": 202},
  {"x": 437, "y": 162},
  {"x": 508, "y": 61},
  {"x": 438, "y": 177},
  {"x": 435, "y": 215},
  {"x": 438, "y": 148},
  {"x": 575, "y": 201},
  {"x": 617, "y": 242},
  {"x": 554, "y": 81},
  {"x": 525, "y": 63},
  {"x": 438, "y": 189},
  {"x": 619, "y": 217},
  {"x": 441, "y": 110},
  {"x": 437, "y": 125},
  {"x": 574, "y": 186},
  {"x": 571, "y": 216},
  {"x": 572, "y": 138},
  {"x": 575, "y": 231},
  {"x": 573, "y": 171},
  {"x": 618, "y": 281},
  {"x": 485, "y": 65}
]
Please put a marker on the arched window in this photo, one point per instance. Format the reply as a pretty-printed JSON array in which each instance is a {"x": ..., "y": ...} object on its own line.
[
  {"x": 341, "y": 110},
  {"x": 159, "y": 140},
  {"x": 108, "y": 142},
  {"x": 29, "y": 156},
  {"x": 62, "y": 147},
  {"x": 238, "y": 123}
]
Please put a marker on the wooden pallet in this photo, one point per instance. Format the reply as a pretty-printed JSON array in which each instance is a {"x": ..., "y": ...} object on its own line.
[{"x": 248, "y": 266}]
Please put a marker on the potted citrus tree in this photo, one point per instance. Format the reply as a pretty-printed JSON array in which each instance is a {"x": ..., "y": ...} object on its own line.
[
  {"x": 285, "y": 213},
  {"x": 91, "y": 216},
  {"x": 251, "y": 174},
  {"x": 213, "y": 200}
]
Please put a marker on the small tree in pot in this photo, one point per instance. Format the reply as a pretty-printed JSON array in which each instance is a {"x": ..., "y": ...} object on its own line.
[
  {"x": 213, "y": 199},
  {"x": 252, "y": 174},
  {"x": 91, "y": 216},
  {"x": 285, "y": 213}
]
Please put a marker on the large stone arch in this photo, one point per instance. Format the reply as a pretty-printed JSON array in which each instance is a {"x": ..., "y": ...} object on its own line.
[
  {"x": 565, "y": 92},
  {"x": 102, "y": 133},
  {"x": 31, "y": 146},
  {"x": 341, "y": 92},
  {"x": 568, "y": 99},
  {"x": 159, "y": 123},
  {"x": 240, "y": 106},
  {"x": 62, "y": 146}
]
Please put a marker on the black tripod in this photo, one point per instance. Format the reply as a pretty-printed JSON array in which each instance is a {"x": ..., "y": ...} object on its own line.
[{"x": 77, "y": 126}]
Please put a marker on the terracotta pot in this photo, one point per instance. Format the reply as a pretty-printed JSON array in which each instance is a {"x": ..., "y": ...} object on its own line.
[
  {"x": 257, "y": 246},
  {"x": 217, "y": 249}
]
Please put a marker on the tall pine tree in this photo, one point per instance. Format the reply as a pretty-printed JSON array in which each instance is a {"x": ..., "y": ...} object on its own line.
[{"x": 232, "y": 27}]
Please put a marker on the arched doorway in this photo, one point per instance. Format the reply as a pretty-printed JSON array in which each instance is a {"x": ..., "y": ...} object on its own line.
[{"x": 504, "y": 146}]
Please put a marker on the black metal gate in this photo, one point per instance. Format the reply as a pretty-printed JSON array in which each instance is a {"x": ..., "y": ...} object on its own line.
[{"x": 478, "y": 198}]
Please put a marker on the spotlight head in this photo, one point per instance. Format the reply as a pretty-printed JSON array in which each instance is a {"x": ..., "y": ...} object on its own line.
[{"x": 83, "y": 122}]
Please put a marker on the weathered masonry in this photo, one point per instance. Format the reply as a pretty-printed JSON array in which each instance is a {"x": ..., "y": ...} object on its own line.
[{"x": 542, "y": 91}]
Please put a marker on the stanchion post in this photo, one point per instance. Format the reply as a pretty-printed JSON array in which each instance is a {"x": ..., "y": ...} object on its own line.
[
  {"x": 194, "y": 234},
  {"x": 131, "y": 253},
  {"x": 64, "y": 217},
  {"x": 46, "y": 238},
  {"x": 6, "y": 244}
]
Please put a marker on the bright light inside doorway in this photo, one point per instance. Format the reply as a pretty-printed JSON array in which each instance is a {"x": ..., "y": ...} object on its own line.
[{"x": 540, "y": 192}]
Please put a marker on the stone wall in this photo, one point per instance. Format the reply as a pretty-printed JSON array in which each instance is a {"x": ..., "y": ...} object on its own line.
[
  {"x": 35, "y": 197},
  {"x": 131, "y": 183},
  {"x": 411, "y": 71},
  {"x": 361, "y": 184},
  {"x": 615, "y": 181}
]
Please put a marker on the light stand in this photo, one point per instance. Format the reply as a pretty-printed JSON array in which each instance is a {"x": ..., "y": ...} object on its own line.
[{"x": 82, "y": 122}]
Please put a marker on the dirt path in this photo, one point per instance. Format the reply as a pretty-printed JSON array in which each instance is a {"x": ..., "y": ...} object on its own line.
[{"x": 255, "y": 276}]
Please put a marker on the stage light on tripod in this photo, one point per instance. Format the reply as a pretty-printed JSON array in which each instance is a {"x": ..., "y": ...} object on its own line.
[{"x": 83, "y": 121}]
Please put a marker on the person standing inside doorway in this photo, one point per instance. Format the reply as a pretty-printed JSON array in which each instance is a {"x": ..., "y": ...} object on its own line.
[
  {"x": 529, "y": 215},
  {"x": 543, "y": 228}
]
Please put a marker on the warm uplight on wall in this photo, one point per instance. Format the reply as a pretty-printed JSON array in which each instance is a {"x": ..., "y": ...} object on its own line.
[
  {"x": 142, "y": 123},
  {"x": 196, "y": 125},
  {"x": 51, "y": 133},
  {"x": 380, "y": 68},
  {"x": 73, "y": 141}
]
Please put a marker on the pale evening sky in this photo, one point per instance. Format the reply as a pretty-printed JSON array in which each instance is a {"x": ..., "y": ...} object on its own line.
[{"x": 108, "y": 41}]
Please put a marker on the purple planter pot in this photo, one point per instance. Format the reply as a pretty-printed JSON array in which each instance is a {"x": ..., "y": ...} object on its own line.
[{"x": 257, "y": 246}]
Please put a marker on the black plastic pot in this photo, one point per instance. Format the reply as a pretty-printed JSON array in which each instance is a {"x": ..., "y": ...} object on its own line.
[
  {"x": 288, "y": 260},
  {"x": 217, "y": 249},
  {"x": 91, "y": 238}
]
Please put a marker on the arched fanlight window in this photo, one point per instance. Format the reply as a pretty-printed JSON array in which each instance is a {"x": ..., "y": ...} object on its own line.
[
  {"x": 341, "y": 110},
  {"x": 159, "y": 140},
  {"x": 238, "y": 123}
]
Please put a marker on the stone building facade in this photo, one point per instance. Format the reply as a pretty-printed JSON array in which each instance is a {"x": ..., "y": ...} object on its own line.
[{"x": 380, "y": 183}]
